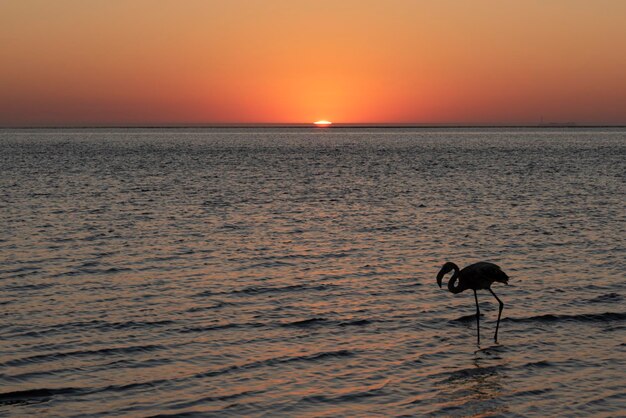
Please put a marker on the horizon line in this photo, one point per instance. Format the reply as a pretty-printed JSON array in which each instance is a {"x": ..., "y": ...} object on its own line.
[{"x": 311, "y": 125}]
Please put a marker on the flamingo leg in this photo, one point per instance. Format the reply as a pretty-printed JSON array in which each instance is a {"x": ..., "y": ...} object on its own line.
[
  {"x": 495, "y": 338},
  {"x": 477, "y": 317}
]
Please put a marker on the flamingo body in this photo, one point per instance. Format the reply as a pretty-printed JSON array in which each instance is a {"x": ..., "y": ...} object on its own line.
[{"x": 477, "y": 276}]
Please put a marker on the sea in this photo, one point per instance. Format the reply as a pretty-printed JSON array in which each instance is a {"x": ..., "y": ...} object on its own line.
[{"x": 291, "y": 272}]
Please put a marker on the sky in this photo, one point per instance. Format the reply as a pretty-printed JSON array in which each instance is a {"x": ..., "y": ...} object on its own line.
[{"x": 158, "y": 62}]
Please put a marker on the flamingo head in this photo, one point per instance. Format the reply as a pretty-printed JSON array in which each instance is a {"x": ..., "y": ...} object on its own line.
[{"x": 445, "y": 269}]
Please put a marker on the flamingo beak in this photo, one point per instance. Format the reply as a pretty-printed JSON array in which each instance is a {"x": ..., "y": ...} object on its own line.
[
  {"x": 444, "y": 270},
  {"x": 440, "y": 277}
]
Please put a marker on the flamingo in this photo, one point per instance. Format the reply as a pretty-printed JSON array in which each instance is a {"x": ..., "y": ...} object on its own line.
[{"x": 475, "y": 276}]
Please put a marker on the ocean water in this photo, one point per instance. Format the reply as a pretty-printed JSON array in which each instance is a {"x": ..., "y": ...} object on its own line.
[{"x": 291, "y": 272}]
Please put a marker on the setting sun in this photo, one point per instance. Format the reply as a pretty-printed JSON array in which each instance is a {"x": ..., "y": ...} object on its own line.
[{"x": 322, "y": 123}]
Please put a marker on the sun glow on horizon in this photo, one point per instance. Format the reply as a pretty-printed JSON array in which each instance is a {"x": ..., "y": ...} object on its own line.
[{"x": 259, "y": 62}]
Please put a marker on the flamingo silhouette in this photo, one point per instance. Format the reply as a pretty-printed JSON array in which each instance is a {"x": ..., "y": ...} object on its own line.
[{"x": 475, "y": 276}]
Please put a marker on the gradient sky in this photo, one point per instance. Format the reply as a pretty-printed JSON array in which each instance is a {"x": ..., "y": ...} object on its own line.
[{"x": 77, "y": 62}]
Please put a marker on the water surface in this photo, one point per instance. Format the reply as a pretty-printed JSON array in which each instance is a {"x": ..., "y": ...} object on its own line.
[{"x": 284, "y": 272}]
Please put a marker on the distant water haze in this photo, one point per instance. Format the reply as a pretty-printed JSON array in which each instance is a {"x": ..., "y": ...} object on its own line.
[{"x": 291, "y": 272}]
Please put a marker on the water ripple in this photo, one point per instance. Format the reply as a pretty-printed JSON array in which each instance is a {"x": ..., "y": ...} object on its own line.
[{"x": 272, "y": 272}]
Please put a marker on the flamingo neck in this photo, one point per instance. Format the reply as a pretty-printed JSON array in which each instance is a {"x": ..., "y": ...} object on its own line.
[{"x": 453, "y": 286}]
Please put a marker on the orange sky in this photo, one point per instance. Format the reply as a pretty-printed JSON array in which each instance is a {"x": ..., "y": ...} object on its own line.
[{"x": 76, "y": 62}]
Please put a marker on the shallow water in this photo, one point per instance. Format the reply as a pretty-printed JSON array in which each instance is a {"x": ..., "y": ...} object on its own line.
[{"x": 282, "y": 272}]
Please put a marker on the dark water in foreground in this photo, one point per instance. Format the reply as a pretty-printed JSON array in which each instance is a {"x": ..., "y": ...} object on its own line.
[{"x": 292, "y": 272}]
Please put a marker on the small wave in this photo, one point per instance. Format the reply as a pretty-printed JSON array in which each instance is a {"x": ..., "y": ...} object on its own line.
[
  {"x": 133, "y": 324},
  {"x": 531, "y": 392},
  {"x": 110, "y": 270},
  {"x": 210, "y": 307},
  {"x": 266, "y": 264},
  {"x": 606, "y": 398},
  {"x": 541, "y": 364},
  {"x": 81, "y": 353},
  {"x": 325, "y": 354},
  {"x": 349, "y": 394},
  {"x": 34, "y": 395},
  {"x": 388, "y": 228},
  {"x": 232, "y": 227},
  {"x": 19, "y": 270},
  {"x": 60, "y": 328},
  {"x": 203, "y": 400},
  {"x": 220, "y": 327},
  {"x": 23, "y": 287},
  {"x": 412, "y": 283},
  {"x": 603, "y": 317},
  {"x": 614, "y": 328},
  {"x": 175, "y": 414},
  {"x": 92, "y": 271},
  {"x": 466, "y": 318},
  {"x": 247, "y": 366},
  {"x": 609, "y": 297},
  {"x": 356, "y": 322},
  {"x": 277, "y": 360},
  {"x": 162, "y": 258},
  {"x": 305, "y": 322},
  {"x": 472, "y": 372},
  {"x": 255, "y": 290}
]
